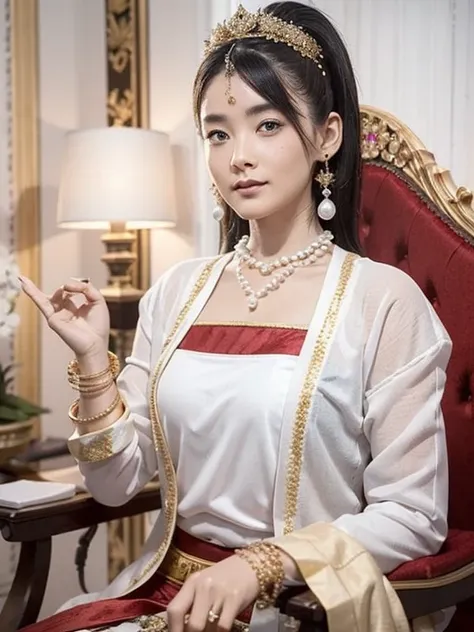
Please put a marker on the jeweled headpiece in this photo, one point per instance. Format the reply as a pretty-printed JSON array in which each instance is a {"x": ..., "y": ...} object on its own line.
[{"x": 244, "y": 24}]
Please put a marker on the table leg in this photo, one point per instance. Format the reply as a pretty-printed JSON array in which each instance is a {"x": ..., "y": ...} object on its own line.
[{"x": 27, "y": 590}]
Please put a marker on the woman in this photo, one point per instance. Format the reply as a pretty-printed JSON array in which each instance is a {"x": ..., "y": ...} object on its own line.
[{"x": 287, "y": 392}]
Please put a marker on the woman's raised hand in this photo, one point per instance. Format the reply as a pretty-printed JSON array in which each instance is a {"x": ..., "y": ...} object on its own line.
[{"x": 77, "y": 312}]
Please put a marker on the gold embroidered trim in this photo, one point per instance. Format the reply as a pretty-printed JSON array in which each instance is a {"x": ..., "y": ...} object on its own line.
[
  {"x": 238, "y": 323},
  {"x": 170, "y": 504},
  {"x": 304, "y": 403},
  {"x": 178, "y": 565},
  {"x": 97, "y": 449}
]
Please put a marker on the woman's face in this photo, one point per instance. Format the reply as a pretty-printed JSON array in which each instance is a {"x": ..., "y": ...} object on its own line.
[{"x": 255, "y": 156}]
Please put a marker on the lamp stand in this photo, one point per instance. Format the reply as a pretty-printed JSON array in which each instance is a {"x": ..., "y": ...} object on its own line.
[{"x": 121, "y": 296}]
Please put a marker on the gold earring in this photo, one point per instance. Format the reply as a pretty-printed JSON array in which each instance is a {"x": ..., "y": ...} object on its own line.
[
  {"x": 218, "y": 212},
  {"x": 327, "y": 208}
]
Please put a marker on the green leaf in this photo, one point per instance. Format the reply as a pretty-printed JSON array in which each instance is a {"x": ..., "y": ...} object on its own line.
[
  {"x": 7, "y": 414},
  {"x": 13, "y": 401}
]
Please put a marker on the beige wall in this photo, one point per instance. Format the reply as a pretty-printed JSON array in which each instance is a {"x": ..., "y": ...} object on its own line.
[{"x": 173, "y": 63}]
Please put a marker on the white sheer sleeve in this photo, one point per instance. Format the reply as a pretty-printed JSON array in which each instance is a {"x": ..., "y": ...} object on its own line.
[
  {"x": 406, "y": 481},
  {"x": 118, "y": 461}
]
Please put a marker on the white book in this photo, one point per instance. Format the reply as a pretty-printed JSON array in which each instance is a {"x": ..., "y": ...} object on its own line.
[{"x": 23, "y": 493}]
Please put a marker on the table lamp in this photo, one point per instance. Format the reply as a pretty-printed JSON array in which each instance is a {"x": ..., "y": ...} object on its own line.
[{"x": 118, "y": 179}]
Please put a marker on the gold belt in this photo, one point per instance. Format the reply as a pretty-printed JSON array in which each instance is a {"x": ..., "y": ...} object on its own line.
[{"x": 178, "y": 565}]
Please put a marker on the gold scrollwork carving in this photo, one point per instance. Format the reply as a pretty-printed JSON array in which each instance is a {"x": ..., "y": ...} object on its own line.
[
  {"x": 384, "y": 137},
  {"x": 119, "y": 34},
  {"x": 378, "y": 140},
  {"x": 121, "y": 62},
  {"x": 120, "y": 108}
]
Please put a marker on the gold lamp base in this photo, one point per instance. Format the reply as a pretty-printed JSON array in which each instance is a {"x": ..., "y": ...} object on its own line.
[
  {"x": 121, "y": 296},
  {"x": 119, "y": 258}
]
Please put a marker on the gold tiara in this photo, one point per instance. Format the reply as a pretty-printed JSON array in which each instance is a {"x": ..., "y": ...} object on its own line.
[{"x": 244, "y": 24}]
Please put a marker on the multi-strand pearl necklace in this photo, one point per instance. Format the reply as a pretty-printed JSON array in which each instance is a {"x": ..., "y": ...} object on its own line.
[{"x": 281, "y": 268}]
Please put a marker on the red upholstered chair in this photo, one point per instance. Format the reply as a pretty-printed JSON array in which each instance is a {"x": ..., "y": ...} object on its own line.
[{"x": 413, "y": 217}]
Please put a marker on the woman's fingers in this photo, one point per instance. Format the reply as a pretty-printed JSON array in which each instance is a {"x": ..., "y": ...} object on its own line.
[
  {"x": 57, "y": 298},
  {"x": 41, "y": 300},
  {"x": 83, "y": 286},
  {"x": 214, "y": 613},
  {"x": 203, "y": 602},
  {"x": 228, "y": 615},
  {"x": 180, "y": 606}
]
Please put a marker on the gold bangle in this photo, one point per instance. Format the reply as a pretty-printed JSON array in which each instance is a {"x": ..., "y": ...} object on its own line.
[
  {"x": 87, "y": 420},
  {"x": 94, "y": 388},
  {"x": 74, "y": 377},
  {"x": 265, "y": 560}
]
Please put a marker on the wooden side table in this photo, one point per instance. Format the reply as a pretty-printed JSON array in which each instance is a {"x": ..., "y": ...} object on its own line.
[{"x": 35, "y": 527}]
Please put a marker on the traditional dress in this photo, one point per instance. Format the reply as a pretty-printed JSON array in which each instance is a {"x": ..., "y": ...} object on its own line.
[{"x": 329, "y": 433}]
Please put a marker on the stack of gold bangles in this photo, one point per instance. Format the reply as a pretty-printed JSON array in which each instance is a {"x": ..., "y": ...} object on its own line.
[
  {"x": 265, "y": 560},
  {"x": 92, "y": 386}
]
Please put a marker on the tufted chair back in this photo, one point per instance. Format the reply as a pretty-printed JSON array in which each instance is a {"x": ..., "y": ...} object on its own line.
[{"x": 413, "y": 217}]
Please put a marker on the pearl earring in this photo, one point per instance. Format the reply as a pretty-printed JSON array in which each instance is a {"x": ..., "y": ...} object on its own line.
[
  {"x": 218, "y": 212},
  {"x": 327, "y": 208}
]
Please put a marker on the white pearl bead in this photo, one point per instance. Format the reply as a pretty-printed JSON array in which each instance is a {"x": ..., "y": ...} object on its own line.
[
  {"x": 269, "y": 286},
  {"x": 327, "y": 209},
  {"x": 218, "y": 213},
  {"x": 284, "y": 261}
]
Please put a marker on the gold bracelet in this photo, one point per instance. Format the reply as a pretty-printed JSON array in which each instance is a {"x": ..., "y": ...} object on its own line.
[
  {"x": 96, "y": 388},
  {"x": 87, "y": 420},
  {"x": 265, "y": 560},
  {"x": 74, "y": 377}
]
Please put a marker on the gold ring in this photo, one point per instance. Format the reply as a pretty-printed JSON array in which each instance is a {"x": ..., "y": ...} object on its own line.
[{"x": 212, "y": 617}]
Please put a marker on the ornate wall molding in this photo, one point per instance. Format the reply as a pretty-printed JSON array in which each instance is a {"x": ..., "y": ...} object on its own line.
[
  {"x": 127, "y": 105},
  {"x": 25, "y": 184}
]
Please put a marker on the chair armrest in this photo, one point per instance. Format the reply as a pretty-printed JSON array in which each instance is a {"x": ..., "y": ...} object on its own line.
[
  {"x": 80, "y": 512},
  {"x": 418, "y": 597},
  {"x": 425, "y": 596},
  {"x": 302, "y": 605}
]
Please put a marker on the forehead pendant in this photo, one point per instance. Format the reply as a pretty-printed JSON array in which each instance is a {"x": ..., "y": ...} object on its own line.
[{"x": 229, "y": 71}]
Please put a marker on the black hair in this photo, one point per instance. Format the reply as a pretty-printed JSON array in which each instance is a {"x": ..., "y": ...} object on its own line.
[{"x": 274, "y": 70}]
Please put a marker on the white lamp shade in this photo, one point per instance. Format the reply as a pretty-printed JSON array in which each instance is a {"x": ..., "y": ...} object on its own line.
[{"x": 116, "y": 174}]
